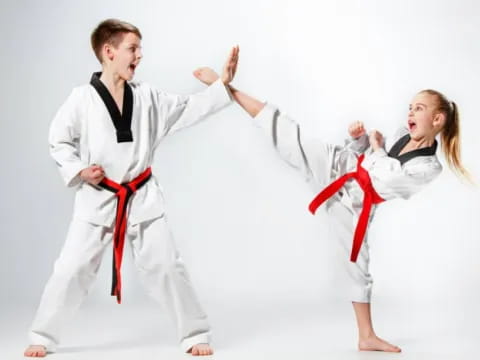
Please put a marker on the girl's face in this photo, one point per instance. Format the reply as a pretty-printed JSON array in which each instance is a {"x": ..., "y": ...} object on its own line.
[
  {"x": 126, "y": 56},
  {"x": 424, "y": 121}
]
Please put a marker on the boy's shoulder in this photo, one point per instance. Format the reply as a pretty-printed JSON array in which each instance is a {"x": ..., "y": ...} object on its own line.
[
  {"x": 80, "y": 91},
  {"x": 141, "y": 86}
]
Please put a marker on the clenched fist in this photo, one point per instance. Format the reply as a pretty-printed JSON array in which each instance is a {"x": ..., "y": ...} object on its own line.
[
  {"x": 376, "y": 140},
  {"x": 93, "y": 174},
  {"x": 356, "y": 129}
]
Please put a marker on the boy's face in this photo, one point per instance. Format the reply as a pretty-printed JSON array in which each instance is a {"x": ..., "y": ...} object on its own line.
[{"x": 124, "y": 59}]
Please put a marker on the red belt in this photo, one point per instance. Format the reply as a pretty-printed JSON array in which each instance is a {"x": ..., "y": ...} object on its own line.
[
  {"x": 123, "y": 192},
  {"x": 370, "y": 197}
]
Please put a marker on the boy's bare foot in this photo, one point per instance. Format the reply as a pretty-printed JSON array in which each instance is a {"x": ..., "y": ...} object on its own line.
[
  {"x": 374, "y": 343},
  {"x": 201, "y": 350},
  {"x": 35, "y": 351}
]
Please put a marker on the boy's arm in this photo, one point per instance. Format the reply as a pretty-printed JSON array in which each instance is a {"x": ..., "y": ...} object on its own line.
[
  {"x": 63, "y": 139},
  {"x": 181, "y": 111}
]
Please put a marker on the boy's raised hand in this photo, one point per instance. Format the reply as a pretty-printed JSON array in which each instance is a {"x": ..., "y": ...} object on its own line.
[
  {"x": 93, "y": 174},
  {"x": 230, "y": 67},
  {"x": 209, "y": 76},
  {"x": 356, "y": 129}
]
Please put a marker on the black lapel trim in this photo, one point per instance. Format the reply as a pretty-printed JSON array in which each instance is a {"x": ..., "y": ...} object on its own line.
[
  {"x": 400, "y": 144},
  {"x": 121, "y": 121}
]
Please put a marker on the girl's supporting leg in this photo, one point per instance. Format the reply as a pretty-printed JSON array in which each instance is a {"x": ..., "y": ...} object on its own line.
[{"x": 343, "y": 223}]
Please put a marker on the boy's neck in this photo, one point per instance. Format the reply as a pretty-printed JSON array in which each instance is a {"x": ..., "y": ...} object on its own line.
[{"x": 112, "y": 80}]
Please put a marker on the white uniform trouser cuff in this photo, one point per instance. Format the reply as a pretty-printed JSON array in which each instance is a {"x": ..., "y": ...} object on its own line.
[
  {"x": 36, "y": 339},
  {"x": 188, "y": 343},
  {"x": 361, "y": 295}
]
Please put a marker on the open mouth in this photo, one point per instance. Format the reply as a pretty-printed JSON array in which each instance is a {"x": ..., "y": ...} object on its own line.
[
  {"x": 412, "y": 125},
  {"x": 132, "y": 67}
]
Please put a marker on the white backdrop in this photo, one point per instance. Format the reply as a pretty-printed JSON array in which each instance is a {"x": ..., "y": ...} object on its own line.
[{"x": 239, "y": 215}]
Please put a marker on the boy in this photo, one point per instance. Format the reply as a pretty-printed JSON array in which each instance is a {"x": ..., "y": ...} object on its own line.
[{"x": 106, "y": 153}]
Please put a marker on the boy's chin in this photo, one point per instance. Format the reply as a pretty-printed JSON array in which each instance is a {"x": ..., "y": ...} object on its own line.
[{"x": 127, "y": 76}]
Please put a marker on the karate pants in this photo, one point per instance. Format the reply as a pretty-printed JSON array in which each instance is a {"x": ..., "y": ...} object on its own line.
[
  {"x": 342, "y": 223},
  {"x": 159, "y": 265}
]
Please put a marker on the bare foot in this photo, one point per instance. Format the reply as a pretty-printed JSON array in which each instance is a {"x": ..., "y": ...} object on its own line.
[
  {"x": 374, "y": 343},
  {"x": 206, "y": 75},
  {"x": 35, "y": 351},
  {"x": 201, "y": 350}
]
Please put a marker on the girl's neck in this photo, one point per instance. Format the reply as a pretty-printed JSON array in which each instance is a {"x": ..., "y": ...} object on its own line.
[{"x": 423, "y": 142}]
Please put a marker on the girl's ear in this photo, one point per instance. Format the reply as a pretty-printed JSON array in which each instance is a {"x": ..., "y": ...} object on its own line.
[{"x": 439, "y": 120}]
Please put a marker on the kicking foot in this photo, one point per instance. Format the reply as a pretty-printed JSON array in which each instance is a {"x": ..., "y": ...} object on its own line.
[
  {"x": 201, "y": 350},
  {"x": 206, "y": 75},
  {"x": 35, "y": 351},
  {"x": 374, "y": 343}
]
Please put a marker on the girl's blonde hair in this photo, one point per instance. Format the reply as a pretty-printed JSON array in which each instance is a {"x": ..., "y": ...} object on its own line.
[{"x": 450, "y": 134}]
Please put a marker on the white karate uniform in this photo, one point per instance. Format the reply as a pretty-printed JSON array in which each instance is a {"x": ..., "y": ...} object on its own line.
[
  {"x": 321, "y": 163},
  {"x": 82, "y": 134}
]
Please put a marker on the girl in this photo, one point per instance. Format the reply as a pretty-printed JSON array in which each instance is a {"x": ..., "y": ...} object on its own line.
[{"x": 376, "y": 175}]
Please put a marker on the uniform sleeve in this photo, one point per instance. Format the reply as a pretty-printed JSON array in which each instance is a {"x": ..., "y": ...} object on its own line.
[
  {"x": 64, "y": 137},
  {"x": 392, "y": 180},
  {"x": 310, "y": 156},
  {"x": 357, "y": 145},
  {"x": 181, "y": 111}
]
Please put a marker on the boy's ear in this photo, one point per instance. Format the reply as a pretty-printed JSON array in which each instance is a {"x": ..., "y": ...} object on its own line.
[{"x": 107, "y": 51}]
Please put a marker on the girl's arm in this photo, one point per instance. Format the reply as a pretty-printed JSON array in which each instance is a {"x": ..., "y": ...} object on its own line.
[{"x": 390, "y": 178}]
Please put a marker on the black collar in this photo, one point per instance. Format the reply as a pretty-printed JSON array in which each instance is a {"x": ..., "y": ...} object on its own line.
[
  {"x": 121, "y": 121},
  {"x": 400, "y": 144}
]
